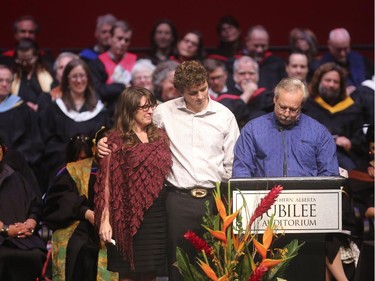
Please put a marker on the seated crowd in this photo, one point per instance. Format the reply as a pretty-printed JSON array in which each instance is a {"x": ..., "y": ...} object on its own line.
[{"x": 51, "y": 109}]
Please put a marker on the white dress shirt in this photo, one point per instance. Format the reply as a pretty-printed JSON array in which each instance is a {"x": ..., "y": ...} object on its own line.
[{"x": 201, "y": 143}]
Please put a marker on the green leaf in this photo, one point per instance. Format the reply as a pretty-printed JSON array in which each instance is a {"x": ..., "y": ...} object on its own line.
[
  {"x": 188, "y": 271},
  {"x": 291, "y": 252}
]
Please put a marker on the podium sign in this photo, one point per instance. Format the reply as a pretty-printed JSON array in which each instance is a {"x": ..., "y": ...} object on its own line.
[{"x": 295, "y": 211}]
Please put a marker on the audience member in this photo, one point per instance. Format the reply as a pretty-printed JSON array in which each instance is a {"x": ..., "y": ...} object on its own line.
[
  {"x": 163, "y": 40},
  {"x": 111, "y": 70},
  {"x": 162, "y": 79},
  {"x": 304, "y": 40},
  {"x": 364, "y": 96},
  {"x": 329, "y": 104},
  {"x": 26, "y": 27},
  {"x": 297, "y": 66},
  {"x": 217, "y": 77},
  {"x": 361, "y": 182},
  {"x": 69, "y": 212},
  {"x": 271, "y": 67},
  {"x": 257, "y": 99},
  {"x": 60, "y": 63},
  {"x": 22, "y": 251},
  {"x": 189, "y": 47},
  {"x": 230, "y": 44},
  {"x": 79, "y": 147},
  {"x": 18, "y": 123},
  {"x": 33, "y": 79},
  {"x": 285, "y": 142},
  {"x": 201, "y": 153},
  {"x": 142, "y": 74},
  {"x": 129, "y": 193},
  {"x": 218, "y": 91},
  {"x": 357, "y": 66},
  {"x": 102, "y": 35},
  {"x": 77, "y": 111}
]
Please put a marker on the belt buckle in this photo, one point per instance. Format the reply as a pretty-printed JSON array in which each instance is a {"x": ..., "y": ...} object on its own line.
[{"x": 198, "y": 192}]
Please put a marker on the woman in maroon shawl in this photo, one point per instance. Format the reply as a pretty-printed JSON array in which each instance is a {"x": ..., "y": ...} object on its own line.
[{"x": 129, "y": 200}]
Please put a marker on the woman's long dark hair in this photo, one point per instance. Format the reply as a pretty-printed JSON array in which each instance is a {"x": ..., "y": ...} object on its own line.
[
  {"x": 173, "y": 28},
  {"x": 90, "y": 97},
  {"x": 127, "y": 105}
]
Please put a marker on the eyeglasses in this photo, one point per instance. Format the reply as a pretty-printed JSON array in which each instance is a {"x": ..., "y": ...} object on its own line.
[
  {"x": 26, "y": 60},
  {"x": 146, "y": 107},
  {"x": 292, "y": 111},
  {"x": 30, "y": 31},
  {"x": 218, "y": 77},
  {"x": 7, "y": 81},
  {"x": 243, "y": 73},
  {"x": 77, "y": 77},
  {"x": 187, "y": 41},
  {"x": 143, "y": 77}
]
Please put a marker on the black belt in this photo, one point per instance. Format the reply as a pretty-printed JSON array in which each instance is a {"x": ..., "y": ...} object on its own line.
[{"x": 196, "y": 192}]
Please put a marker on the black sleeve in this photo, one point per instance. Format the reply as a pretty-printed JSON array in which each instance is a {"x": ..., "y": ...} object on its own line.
[{"x": 63, "y": 204}]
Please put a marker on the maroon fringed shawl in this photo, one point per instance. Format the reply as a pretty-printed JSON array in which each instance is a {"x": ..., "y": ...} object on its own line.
[{"x": 136, "y": 176}]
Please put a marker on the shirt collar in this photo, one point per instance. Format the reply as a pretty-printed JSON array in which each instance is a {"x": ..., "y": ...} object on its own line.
[
  {"x": 276, "y": 123},
  {"x": 181, "y": 105}
]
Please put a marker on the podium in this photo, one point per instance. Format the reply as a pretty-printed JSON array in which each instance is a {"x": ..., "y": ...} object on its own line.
[{"x": 307, "y": 209}]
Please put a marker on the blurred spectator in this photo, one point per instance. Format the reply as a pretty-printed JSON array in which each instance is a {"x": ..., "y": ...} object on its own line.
[
  {"x": 163, "y": 40},
  {"x": 22, "y": 251},
  {"x": 271, "y": 67},
  {"x": 78, "y": 148},
  {"x": 189, "y": 47},
  {"x": 297, "y": 66},
  {"x": 61, "y": 61},
  {"x": 364, "y": 96},
  {"x": 304, "y": 40},
  {"x": 142, "y": 74},
  {"x": 230, "y": 43},
  {"x": 18, "y": 123},
  {"x": 329, "y": 104},
  {"x": 258, "y": 100},
  {"x": 162, "y": 80},
  {"x": 77, "y": 111},
  {"x": 217, "y": 77},
  {"x": 33, "y": 78},
  {"x": 102, "y": 34},
  {"x": 76, "y": 250},
  {"x": 357, "y": 66},
  {"x": 26, "y": 27},
  {"x": 111, "y": 70}
]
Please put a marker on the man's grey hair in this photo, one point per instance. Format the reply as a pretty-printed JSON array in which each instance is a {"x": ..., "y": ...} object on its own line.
[
  {"x": 105, "y": 19},
  {"x": 123, "y": 25},
  {"x": 142, "y": 65},
  {"x": 64, "y": 55},
  {"x": 291, "y": 85},
  {"x": 245, "y": 59}
]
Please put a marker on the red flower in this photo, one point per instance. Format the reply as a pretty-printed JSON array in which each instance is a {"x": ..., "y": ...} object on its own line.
[
  {"x": 266, "y": 203},
  {"x": 258, "y": 273},
  {"x": 198, "y": 243}
]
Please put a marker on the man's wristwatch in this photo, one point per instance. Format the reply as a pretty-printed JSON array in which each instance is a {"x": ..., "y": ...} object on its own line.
[{"x": 4, "y": 230}]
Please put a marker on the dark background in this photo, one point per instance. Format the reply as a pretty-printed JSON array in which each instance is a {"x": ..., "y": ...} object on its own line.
[{"x": 71, "y": 23}]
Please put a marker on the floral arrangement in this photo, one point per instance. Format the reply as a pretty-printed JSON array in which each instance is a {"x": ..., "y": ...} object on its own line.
[{"x": 227, "y": 255}]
